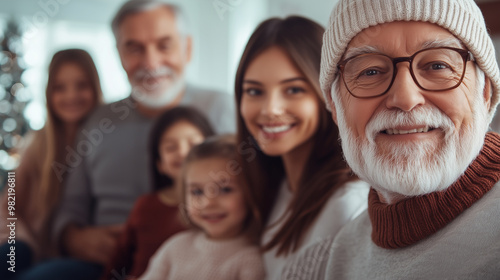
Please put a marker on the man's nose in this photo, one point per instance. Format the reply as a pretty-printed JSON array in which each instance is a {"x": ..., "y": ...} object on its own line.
[
  {"x": 404, "y": 93},
  {"x": 151, "y": 59}
]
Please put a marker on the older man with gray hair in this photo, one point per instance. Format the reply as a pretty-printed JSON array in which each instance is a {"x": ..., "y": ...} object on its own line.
[
  {"x": 113, "y": 170},
  {"x": 413, "y": 86}
]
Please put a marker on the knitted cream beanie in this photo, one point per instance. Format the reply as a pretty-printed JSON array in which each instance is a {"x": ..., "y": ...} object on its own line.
[{"x": 462, "y": 18}]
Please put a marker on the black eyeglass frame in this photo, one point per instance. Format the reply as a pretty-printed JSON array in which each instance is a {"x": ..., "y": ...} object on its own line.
[{"x": 465, "y": 54}]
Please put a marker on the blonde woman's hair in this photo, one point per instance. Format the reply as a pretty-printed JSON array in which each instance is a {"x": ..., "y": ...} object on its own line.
[{"x": 50, "y": 143}]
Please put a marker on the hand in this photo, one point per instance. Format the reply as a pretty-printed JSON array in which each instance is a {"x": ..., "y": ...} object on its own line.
[{"x": 93, "y": 244}]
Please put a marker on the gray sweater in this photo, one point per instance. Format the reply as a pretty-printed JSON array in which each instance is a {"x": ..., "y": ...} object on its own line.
[
  {"x": 109, "y": 166},
  {"x": 467, "y": 248}
]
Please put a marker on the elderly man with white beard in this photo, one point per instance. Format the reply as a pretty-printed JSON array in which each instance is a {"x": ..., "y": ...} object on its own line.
[
  {"x": 109, "y": 168},
  {"x": 413, "y": 86}
]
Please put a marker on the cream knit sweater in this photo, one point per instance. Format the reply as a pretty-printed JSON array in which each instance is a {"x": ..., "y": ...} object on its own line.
[
  {"x": 468, "y": 248},
  {"x": 190, "y": 255},
  {"x": 343, "y": 206}
]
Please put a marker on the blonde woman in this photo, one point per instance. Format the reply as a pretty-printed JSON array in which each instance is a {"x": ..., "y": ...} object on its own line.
[{"x": 73, "y": 91}]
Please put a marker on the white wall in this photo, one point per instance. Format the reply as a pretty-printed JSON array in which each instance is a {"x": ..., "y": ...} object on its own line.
[{"x": 317, "y": 10}]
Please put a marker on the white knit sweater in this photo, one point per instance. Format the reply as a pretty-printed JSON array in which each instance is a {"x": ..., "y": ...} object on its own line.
[
  {"x": 467, "y": 248},
  {"x": 343, "y": 206},
  {"x": 190, "y": 255}
]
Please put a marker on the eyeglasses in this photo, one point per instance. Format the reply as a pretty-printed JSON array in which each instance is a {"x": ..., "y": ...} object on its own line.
[{"x": 434, "y": 69}]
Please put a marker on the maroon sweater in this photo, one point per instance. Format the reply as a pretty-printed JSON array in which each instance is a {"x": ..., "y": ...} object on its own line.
[
  {"x": 413, "y": 219},
  {"x": 150, "y": 223}
]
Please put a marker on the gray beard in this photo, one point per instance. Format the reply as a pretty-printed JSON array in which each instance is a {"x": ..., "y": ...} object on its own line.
[
  {"x": 416, "y": 168},
  {"x": 159, "y": 100}
]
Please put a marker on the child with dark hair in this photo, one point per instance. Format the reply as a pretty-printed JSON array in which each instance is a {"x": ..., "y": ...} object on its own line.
[{"x": 154, "y": 217}]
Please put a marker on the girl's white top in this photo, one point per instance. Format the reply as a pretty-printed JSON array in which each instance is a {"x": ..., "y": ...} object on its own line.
[{"x": 191, "y": 255}]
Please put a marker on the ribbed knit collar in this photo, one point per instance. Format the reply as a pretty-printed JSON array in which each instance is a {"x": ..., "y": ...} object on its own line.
[{"x": 411, "y": 220}]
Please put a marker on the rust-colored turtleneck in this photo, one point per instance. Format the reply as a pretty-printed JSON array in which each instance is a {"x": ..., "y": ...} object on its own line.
[{"x": 411, "y": 220}]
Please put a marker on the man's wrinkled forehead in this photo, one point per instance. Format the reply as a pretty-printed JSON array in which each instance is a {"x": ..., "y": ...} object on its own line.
[
  {"x": 400, "y": 38},
  {"x": 381, "y": 48}
]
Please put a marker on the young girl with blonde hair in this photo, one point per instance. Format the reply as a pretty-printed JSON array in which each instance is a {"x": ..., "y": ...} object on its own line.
[{"x": 224, "y": 218}]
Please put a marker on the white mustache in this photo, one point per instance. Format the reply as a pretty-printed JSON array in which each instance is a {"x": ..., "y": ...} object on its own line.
[
  {"x": 142, "y": 73},
  {"x": 422, "y": 116}
]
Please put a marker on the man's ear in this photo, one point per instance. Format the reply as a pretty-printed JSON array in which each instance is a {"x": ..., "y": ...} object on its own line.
[
  {"x": 189, "y": 48},
  {"x": 487, "y": 93}
]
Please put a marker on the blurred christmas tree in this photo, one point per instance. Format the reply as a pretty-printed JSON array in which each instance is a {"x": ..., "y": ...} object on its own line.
[{"x": 13, "y": 98}]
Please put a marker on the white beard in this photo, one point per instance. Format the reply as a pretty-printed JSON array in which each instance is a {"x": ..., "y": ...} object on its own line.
[
  {"x": 417, "y": 168},
  {"x": 152, "y": 95}
]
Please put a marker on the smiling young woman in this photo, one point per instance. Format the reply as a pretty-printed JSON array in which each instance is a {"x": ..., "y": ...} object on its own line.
[{"x": 305, "y": 189}]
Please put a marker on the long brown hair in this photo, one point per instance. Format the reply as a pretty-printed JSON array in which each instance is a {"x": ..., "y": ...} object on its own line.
[
  {"x": 325, "y": 170},
  {"x": 52, "y": 135},
  {"x": 223, "y": 146}
]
